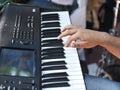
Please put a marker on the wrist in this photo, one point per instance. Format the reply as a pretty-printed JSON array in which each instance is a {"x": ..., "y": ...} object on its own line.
[{"x": 104, "y": 39}]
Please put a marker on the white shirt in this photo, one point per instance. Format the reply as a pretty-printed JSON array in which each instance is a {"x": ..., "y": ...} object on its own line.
[
  {"x": 63, "y": 2},
  {"x": 78, "y": 17}
]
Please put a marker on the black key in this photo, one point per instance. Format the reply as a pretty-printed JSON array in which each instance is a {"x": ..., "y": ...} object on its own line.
[
  {"x": 49, "y": 35},
  {"x": 53, "y": 49},
  {"x": 60, "y": 49},
  {"x": 58, "y": 79},
  {"x": 54, "y": 68},
  {"x": 61, "y": 74},
  {"x": 52, "y": 57},
  {"x": 50, "y": 18},
  {"x": 47, "y": 31},
  {"x": 52, "y": 41},
  {"x": 50, "y": 15},
  {"x": 49, "y": 44},
  {"x": 50, "y": 32},
  {"x": 50, "y": 24},
  {"x": 62, "y": 84},
  {"x": 52, "y": 52},
  {"x": 54, "y": 63}
]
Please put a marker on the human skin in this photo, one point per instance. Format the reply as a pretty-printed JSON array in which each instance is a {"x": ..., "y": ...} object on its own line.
[{"x": 86, "y": 38}]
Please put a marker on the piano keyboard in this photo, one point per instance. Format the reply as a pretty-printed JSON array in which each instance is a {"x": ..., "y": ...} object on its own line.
[{"x": 60, "y": 65}]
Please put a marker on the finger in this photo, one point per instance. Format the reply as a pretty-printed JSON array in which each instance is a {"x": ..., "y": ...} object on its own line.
[
  {"x": 76, "y": 44},
  {"x": 70, "y": 40},
  {"x": 67, "y": 28},
  {"x": 80, "y": 44},
  {"x": 66, "y": 33}
]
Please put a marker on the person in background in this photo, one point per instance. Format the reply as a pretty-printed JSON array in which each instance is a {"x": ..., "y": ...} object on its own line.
[
  {"x": 91, "y": 15},
  {"x": 112, "y": 72},
  {"x": 69, "y": 5},
  {"x": 106, "y": 15},
  {"x": 91, "y": 23}
]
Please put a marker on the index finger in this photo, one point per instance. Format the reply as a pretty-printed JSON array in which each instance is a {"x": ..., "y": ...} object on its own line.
[
  {"x": 66, "y": 33},
  {"x": 70, "y": 39},
  {"x": 67, "y": 28}
]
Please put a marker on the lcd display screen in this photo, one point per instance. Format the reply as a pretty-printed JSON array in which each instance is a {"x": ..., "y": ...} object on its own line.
[{"x": 14, "y": 62}]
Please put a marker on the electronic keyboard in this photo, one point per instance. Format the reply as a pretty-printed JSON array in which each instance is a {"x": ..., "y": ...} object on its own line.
[{"x": 31, "y": 56}]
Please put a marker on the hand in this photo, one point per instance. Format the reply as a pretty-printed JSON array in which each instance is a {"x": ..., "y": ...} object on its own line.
[{"x": 87, "y": 38}]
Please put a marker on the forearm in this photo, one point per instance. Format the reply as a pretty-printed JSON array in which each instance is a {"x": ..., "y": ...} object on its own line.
[{"x": 112, "y": 44}]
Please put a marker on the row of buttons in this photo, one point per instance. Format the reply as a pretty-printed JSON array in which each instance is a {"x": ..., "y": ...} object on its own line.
[
  {"x": 25, "y": 36},
  {"x": 15, "y": 85},
  {"x": 19, "y": 82},
  {"x": 30, "y": 20},
  {"x": 2, "y": 87},
  {"x": 17, "y": 34}
]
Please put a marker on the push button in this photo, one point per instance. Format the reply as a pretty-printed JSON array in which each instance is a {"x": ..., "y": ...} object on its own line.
[
  {"x": 11, "y": 88},
  {"x": 2, "y": 87}
]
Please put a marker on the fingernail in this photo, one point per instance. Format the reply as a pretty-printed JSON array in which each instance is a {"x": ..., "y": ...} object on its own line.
[
  {"x": 65, "y": 45},
  {"x": 73, "y": 45},
  {"x": 58, "y": 37}
]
